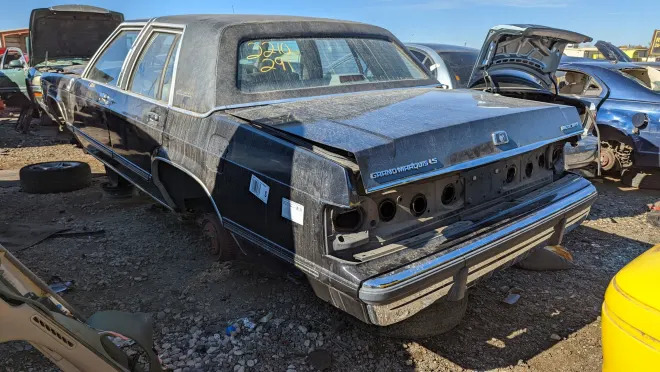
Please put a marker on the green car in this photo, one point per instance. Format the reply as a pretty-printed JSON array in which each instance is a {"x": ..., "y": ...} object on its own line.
[{"x": 13, "y": 67}]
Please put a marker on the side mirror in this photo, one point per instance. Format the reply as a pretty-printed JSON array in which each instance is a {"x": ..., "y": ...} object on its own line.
[{"x": 17, "y": 63}]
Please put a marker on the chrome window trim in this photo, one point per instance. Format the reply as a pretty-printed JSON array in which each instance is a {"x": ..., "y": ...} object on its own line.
[
  {"x": 126, "y": 26},
  {"x": 127, "y": 73}
]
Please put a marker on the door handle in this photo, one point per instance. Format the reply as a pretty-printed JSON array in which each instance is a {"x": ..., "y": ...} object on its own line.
[{"x": 152, "y": 116}]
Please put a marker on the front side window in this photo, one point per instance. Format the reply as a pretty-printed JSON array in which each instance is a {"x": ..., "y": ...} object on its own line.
[
  {"x": 150, "y": 69},
  {"x": 271, "y": 65},
  {"x": 106, "y": 69}
]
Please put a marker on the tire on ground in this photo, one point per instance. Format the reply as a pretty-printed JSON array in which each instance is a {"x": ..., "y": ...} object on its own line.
[
  {"x": 640, "y": 179},
  {"x": 436, "y": 319},
  {"x": 56, "y": 176}
]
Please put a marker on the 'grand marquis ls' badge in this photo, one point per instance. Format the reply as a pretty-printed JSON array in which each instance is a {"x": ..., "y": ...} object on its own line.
[{"x": 500, "y": 138}]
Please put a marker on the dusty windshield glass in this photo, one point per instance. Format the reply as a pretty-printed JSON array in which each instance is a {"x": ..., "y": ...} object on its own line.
[{"x": 270, "y": 65}]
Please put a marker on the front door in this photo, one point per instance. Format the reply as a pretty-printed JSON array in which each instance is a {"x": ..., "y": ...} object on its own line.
[
  {"x": 97, "y": 94},
  {"x": 139, "y": 131}
]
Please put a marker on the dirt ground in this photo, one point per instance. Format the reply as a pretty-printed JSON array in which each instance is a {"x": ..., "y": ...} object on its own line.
[{"x": 147, "y": 260}]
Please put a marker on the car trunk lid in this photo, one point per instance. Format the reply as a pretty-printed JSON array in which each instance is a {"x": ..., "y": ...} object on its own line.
[
  {"x": 611, "y": 52},
  {"x": 527, "y": 55},
  {"x": 403, "y": 135},
  {"x": 69, "y": 31}
]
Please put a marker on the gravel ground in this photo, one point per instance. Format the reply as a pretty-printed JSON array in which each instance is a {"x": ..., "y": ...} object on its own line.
[{"x": 147, "y": 260}]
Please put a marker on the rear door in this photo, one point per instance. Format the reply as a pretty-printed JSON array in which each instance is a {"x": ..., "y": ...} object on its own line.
[
  {"x": 147, "y": 91},
  {"x": 98, "y": 93}
]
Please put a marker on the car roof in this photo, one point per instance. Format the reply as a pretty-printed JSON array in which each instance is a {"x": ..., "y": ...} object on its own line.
[
  {"x": 446, "y": 48},
  {"x": 215, "y": 38},
  {"x": 222, "y": 20}
]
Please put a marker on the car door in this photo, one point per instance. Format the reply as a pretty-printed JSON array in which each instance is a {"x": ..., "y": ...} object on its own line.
[
  {"x": 12, "y": 77},
  {"x": 147, "y": 88},
  {"x": 99, "y": 98}
]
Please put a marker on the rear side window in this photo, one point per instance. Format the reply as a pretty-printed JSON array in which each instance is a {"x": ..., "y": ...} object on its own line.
[
  {"x": 106, "y": 69},
  {"x": 153, "y": 71},
  {"x": 272, "y": 65}
]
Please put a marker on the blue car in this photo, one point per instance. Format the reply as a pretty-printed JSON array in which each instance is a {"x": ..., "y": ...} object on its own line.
[{"x": 627, "y": 99}]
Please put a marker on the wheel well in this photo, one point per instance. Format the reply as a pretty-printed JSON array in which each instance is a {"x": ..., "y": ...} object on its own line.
[
  {"x": 608, "y": 133},
  {"x": 54, "y": 109},
  {"x": 183, "y": 190}
]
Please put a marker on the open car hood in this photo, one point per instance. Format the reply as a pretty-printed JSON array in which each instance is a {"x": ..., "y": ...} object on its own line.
[
  {"x": 403, "y": 135},
  {"x": 527, "y": 56},
  {"x": 69, "y": 31},
  {"x": 611, "y": 52}
]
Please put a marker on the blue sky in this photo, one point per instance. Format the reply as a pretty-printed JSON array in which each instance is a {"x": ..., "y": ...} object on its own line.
[{"x": 446, "y": 21}]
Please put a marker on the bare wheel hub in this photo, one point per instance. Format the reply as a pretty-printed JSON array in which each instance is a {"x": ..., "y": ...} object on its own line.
[
  {"x": 220, "y": 241},
  {"x": 607, "y": 158}
]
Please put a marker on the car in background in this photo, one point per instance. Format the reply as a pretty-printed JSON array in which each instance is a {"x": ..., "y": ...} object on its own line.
[
  {"x": 612, "y": 53},
  {"x": 630, "y": 319},
  {"x": 12, "y": 77},
  {"x": 62, "y": 39},
  {"x": 627, "y": 100},
  {"x": 521, "y": 75},
  {"x": 451, "y": 64}
]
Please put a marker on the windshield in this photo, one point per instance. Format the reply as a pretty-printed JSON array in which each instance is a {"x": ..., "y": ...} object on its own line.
[
  {"x": 648, "y": 77},
  {"x": 269, "y": 65},
  {"x": 460, "y": 64}
]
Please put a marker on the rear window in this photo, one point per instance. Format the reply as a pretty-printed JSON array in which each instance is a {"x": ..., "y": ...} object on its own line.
[{"x": 271, "y": 65}]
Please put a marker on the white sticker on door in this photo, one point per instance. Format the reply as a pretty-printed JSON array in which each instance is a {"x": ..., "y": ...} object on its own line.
[
  {"x": 259, "y": 189},
  {"x": 293, "y": 211}
]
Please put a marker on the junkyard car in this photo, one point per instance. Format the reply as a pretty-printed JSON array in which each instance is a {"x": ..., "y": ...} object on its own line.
[
  {"x": 329, "y": 145},
  {"x": 62, "y": 39},
  {"x": 631, "y": 316},
  {"x": 521, "y": 73},
  {"x": 12, "y": 77},
  {"x": 627, "y": 97}
]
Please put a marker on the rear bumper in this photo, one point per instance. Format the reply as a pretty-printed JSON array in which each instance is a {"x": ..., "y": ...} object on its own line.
[
  {"x": 398, "y": 294},
  {"x": 582, "y": 155}
]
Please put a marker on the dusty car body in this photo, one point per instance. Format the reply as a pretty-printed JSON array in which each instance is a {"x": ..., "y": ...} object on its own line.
[
  {"x": 62, "y": 39},
  {"x": 387, "y": 191},
  {"x": 628, "y": 108},
  {"x": 12, "y": 77}
]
